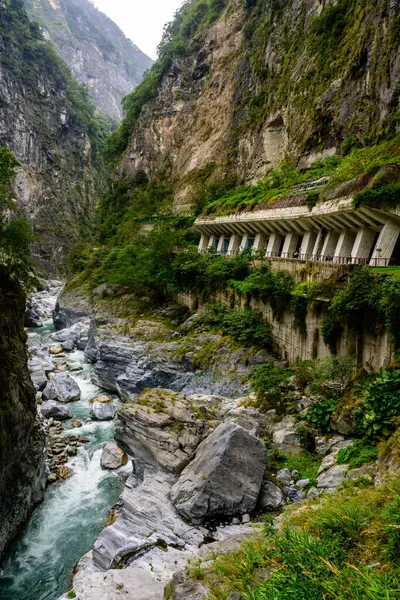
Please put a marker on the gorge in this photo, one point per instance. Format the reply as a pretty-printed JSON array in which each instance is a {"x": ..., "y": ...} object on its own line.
[{"x": 205, "y": 401}]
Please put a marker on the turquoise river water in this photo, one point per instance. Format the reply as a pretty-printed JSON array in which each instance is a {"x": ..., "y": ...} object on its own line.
[{"x": 39, "y": 565}]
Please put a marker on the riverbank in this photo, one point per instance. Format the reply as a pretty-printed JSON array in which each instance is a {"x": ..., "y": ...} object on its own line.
[
  {"x": 79, "y": 493},
  {"x": 209, "y": 463}
]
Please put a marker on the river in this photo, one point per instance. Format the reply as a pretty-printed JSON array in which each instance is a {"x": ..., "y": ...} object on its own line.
[{"x": 39, "y": 565}]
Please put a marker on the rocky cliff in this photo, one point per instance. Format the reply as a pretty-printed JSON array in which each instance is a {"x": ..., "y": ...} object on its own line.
[
  {"x": 22, "y": 466},
  {"x": 47, "y": 121},
  {"x": 242, "y": 86},
  {"x": 97, "y": 52}
]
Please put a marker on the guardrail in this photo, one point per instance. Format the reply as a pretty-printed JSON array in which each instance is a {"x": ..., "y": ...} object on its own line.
[{"x": 337, "y": 260}]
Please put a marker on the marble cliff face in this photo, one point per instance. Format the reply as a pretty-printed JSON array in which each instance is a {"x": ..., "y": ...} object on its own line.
[
  {"x": 242, "y": 100},
  {"x": 97, "y": 52},
  {"x": 22, "y": 454}
]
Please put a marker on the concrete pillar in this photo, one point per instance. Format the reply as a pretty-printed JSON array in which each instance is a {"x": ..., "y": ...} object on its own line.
[
  {"x": 290, "y": 244},
  {"x": 363, "y": 244},
  {"x": 385, "y": 245},
  {"x": 260, "y": 241},
  {"x": 234, "y": 243},
  {"x": 318, "y": 245},
  {"x": 221, "y": 243},
  {"x": 274, "y": 244},
  {"x": 211, "y": 241},
  {"x": 344, "y": 246},
  {"x": 204, "y": 242},
  {"x": 243, "y": 243},
  {"x": 330, "y": 243},
  {"x": 307, "y": 245}
]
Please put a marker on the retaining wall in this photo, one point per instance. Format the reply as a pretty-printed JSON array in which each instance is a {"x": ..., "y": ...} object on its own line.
[{"x": 374, "y": 352}]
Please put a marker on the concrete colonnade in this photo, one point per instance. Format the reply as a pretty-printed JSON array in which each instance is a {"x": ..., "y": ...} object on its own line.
[{"x": 365, "y": 245}]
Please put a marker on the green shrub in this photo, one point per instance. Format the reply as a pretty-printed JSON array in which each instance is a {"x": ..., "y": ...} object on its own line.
[
  {"x": 304, "y": 372},
  {"x": 382, "y": 404},
  {"x": 15, "y": 234},
  {"x": 267, "y": 379},
  {"x": 244, "y": 326},
  {"x": 298, "y": 308},
  {"x": 330, "y": 374},
  {"x": 274, "y": 287},
  {"x": 306, "y": 463},
  {"x": 345, "y": 522},
  {"x": 383, "y": 197},
  {"x": 391, "y": 525},
  {"x": 312, "y": 199},
  {"x": 362, "y": 452},
  {"x": 320, "y": 413}
]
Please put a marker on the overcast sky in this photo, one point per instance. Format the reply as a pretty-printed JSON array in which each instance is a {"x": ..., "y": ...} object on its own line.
[{"x": 141, "y": 20}]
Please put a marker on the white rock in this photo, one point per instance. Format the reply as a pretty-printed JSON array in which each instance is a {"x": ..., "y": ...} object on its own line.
[
  {"x": 102, "y": 412},
  {"x": 63, "y": 388},
  {"x": 333, "y": 478},
  {"x": 113, "y": 457},
  {"x": 271, "y": 496}
]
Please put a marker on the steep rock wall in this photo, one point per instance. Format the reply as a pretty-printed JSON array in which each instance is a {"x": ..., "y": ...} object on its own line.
[
  {"x": 46, "y": 121},
  {"x": 96, "y": 50},
  {"x": 22, "y": 465},
  {"x": 269, "y": 81}
]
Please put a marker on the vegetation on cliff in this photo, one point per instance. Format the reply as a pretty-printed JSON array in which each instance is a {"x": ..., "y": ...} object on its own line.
[
  {"x": 107, "y": 59},
  {"x": 15, "y": 234},
  {"x": 374, "y": 170},
  {"x": 338, "y": 68},
  {"x": 28, "y": 56},
  {"x": 181, "y": 38}
]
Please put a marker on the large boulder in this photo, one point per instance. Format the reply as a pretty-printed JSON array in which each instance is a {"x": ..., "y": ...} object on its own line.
[
  {"x": 102, "y": 412},
  {"x": 64, "y": 317},
  {"x": 39, "y": 307},
  {"x": 56, "y": 410},
  {"x": 224, "y": 479},
  {"x": 62, "y": 388},
  {"x": 72, "y": 334},
  {"x": 162, "y": 429},
  {"x": 113, "y": 457},
  {"x": 32, "y": 318},
  {"x": 151, "y": 372},
  {"x": 148, "y": 521}
]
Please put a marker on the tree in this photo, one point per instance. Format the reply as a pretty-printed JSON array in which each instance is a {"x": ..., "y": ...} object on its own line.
[{"x": 15, "y": 234}]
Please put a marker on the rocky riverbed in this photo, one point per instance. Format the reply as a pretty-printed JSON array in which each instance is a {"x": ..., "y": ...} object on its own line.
[{"x": 187, "y": 436}]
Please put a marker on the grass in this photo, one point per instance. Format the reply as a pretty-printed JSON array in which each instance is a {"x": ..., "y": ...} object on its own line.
[
  {"x": 392, "y": 271},
  {"x": 361, "y": 163},
  {"x": 275, "y": 185},
  {"x": 344, "y": 546},
  {"x": 305, "y": 463},
  {"x": 362, "y": 452}
]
